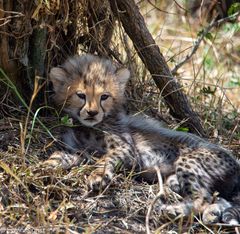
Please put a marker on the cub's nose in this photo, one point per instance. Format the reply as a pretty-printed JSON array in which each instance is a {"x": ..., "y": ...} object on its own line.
[{"x": 92, "y": 113}]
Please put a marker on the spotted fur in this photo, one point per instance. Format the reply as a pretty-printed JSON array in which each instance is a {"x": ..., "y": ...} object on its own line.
[{"x": 91, "y": 90}]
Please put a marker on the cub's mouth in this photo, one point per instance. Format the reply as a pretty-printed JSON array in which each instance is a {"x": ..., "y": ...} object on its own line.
[{"x": 90, "y": 119}]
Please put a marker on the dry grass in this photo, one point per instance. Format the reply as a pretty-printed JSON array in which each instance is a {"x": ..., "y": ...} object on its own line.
[{"x": 34, "y": 198}]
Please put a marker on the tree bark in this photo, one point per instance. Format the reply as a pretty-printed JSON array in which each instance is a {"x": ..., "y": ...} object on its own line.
[{"x": 133, "y": 23}]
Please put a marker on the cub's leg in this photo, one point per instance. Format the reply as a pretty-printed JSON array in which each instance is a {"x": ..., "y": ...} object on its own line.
[
  {"x": 119, "y": 151},
  {"x": 173, "y": 184},
  {"x": 201, "y": 173},
  {"x": 65, "y": 160},
  {"x": 220, "y": 210},
  {"x": 231, "y": 215},
  {"x": 214, "y": 212}
]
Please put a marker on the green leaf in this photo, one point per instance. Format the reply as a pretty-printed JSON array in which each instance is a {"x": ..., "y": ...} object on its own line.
[
  {"x": 208, "y": 90},
  {"x": 183, "y": 129},
  {"x": 208, "y": 62},
  {"x": 209, "y": 36},
  {"x": 234, "y": 82},
  {"x": 200, "y": 33},
  {"x": 66, "y": 120},
  {"x": 235, "y": 7},
  {"x": 231, "y": 27}
]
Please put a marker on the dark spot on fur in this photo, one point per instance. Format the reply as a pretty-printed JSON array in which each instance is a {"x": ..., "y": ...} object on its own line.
[
  {"x": 202, "y": 182},
  {"x": 179, "y": 169},
  {"x": 215, "y": 161},
  {"x": 207, "y": 159},
  {"x": 185, "y": 176},
  {"x": 192, "y": 161},
  {"x": 130, "y": 152},
  {"x": 187, "y": 184},
  {"x": 180, "y": 164},
  {"x": 188, "y": 191},
  {"x": 197, "y": 159},
  {"x": 193, "y": 179},
  {"x": 112, "y": 146},
  {"x": 191, "y": 174}
]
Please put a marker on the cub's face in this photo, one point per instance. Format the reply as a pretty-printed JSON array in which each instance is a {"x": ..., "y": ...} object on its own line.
[
  {"x": 89, "y": 89},
  {"x": 90, "y": 103}
]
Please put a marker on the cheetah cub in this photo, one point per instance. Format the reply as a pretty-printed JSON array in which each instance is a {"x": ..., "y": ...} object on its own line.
[{"x": 91, "y": 90}]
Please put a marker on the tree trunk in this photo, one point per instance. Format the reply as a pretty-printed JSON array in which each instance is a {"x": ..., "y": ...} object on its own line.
[{"x": 128, "y": 13}]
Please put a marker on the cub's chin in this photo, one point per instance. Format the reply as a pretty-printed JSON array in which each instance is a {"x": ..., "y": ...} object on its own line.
[{"x": 89, "y": 122}]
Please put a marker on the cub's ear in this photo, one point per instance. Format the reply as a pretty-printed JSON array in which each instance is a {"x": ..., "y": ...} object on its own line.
[
  {"x": 58, "y": 77},
  {"x": 123, "y": 76}
]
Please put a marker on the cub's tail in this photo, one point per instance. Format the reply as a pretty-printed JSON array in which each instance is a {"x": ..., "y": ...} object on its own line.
[{"x": 232, "y": 214}]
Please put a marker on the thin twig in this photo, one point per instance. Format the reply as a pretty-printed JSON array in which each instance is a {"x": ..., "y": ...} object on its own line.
[
  {"x": 235, "y": 226},
  {"x": 199, "y": 40},
  {"x": 224, "y": 225},
  {"x": 171, "y": 13},
  {"x": 12, "y": 12},
  {"x": 10, "y": 17},
  {"x": 204, "y": 225},
  {"x": 160, "y": 193},
  {"x": 6, "y": 22},
  {"x": 181, "y": 7}
]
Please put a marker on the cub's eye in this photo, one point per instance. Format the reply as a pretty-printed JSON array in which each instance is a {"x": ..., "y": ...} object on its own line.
[
  {"x": 104, "y": 97},
  {"x": 81, "y": 95}
]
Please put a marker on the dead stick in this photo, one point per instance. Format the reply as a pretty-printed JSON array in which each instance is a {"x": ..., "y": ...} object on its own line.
[{"x": 159, "y": 194}]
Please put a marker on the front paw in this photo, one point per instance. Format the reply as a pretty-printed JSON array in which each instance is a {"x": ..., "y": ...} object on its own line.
[
  {"x": 98, "y": 180},
  {"x": 182, "y": 209},
  {"x": 212, "y": 214}
]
